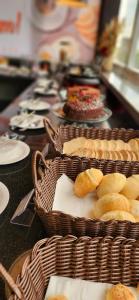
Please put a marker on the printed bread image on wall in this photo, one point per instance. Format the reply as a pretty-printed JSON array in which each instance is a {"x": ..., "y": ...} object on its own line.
[
  {"x": 51, "y": 52},
  {"x": 87, "y": 23},
  {"x": 46, "y": 15}
]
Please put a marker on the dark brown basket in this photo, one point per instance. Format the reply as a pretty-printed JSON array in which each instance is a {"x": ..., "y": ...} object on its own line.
[
  {"x": 108, "y": 259},
  {"x": 56, "y": 222},
  {"x": 65, "y": 133}
]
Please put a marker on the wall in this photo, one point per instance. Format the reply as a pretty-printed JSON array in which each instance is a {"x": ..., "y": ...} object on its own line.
[{"x": 32, "y": 28}]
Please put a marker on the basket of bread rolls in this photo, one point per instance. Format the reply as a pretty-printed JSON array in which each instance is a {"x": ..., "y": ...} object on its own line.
[
  {"x": 83, "y": 196},
  {"x": 65, "y": 268},
  {"x": 108, "y": 144}
]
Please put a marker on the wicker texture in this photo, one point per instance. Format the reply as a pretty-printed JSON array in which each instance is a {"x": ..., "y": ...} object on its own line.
[
  {"x": 56, "y": 222},
  {"x": 66, "y": 133},
  {"x": 99, "y": 259}
]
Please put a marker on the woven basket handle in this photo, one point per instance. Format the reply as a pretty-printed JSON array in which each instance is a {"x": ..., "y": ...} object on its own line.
[
  {"x": 37, "y": 157},
  {"x": 50, "y": 130},
  {"x": 7, "y": 277}
]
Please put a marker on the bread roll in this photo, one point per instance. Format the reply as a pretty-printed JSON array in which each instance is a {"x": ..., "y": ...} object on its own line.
[
  {"x": 74, "y": 144},
  {"x": 120, "y": 215},
  {"x": 134, "y": 144},
  {"x": 110, "y": 202},
  {"x": 120, "y": 292},
  {"x": 87, "y": 182},
  {"x": 131, "y": 188},
  {"x": 111, "y": 183},
  {"x": 134, "y": 208},
  {"x": 57, "y": 297}
]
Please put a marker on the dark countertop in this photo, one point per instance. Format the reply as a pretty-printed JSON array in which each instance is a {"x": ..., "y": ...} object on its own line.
[{"x": 15, "y": 239}]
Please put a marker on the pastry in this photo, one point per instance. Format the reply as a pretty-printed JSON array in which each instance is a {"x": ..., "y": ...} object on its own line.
[
  {"x": 134, "y": 144},
  {"x": 120, "y": 215},
  {"x": 135, "y": 209},
  {"x": 87, "y": 182},
  {"x": 111, "y": 183},
  {"x": 73, "y": 145},
  {"x": 120, "y": 292},
  {"x": 131, "y": 188},
  {"x": 57, "y": 297},
  {"x": 83, "y": 103},
  {"x": 110, "y": 202}
]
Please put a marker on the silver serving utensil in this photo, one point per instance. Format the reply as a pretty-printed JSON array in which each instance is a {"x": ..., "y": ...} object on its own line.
[{"x": 24, "y": 214}]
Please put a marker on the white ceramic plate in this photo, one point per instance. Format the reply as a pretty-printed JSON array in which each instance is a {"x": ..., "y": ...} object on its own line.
[
  {"x": 36, "y": 105},
  {"x": 4, "y": 197},
  {"x": 12, "y": 151},
  {"x": 45, "y": 92},
  {"x": 27, "y": 121},
  {"x": 47, "y": 22}
]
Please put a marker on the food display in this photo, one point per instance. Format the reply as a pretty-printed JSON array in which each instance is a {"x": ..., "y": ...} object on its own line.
[
  {"x": 66, "y": 288},
  {"x": 103, "y": 149},
  {"x": 87, "y": 181},
  {"x": 83, "y": 103},
  {"x": 120, "y": 292},
  {"x": 116, "y": 195}
]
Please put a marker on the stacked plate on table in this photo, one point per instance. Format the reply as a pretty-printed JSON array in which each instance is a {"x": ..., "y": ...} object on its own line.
[
  {"x": 27, "y": 121},
  {"x": 34, "y": 105},
  {"x": 46, "y": 87},
  {"x": 12, "y": 151}
]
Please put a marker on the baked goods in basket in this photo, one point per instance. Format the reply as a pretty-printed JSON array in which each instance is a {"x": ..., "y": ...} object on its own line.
[
  {"x": 131, "y": 188},
  {"x": 111, "y": 183},
  {"x": 87, "y": 182},
  {"x": 57, "y": 297},
  {"x": 120, "y": 292},
  {"x": 103, "y": 149},
  {"x": 135, "y": 209},
  {"x": 120, "y": 215},
  {"x": 83, "y": 103},
  {"x": 111, "y": 202}
]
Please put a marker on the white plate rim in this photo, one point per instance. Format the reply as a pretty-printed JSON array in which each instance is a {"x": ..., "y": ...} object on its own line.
[
  {"x": 27, "y": 128},
  {"x": 27, "y": 152},
  {"x": 21, "y": 105},
  {"x": 6, "y": 193}
]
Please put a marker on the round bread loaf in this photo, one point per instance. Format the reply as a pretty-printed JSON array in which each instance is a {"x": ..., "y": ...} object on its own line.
[
  {"x": 120, "y": 292},
  {"x": 131, "y": 188},
  {"x": 87, "y": 182},
  {"x": 111, "y": 183},
  {"x": 120, "y": 215},
  {"x": 110, "y": 202}
]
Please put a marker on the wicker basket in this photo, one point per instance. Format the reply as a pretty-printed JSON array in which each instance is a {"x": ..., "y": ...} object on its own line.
[
  {"x": 56, "y": 222},
  {"x": 108, "y": 259},
  {"x": 63, "y": 134}
]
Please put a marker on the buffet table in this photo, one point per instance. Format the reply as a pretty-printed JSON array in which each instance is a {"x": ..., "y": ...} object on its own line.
[{"x": 16, "y": 239}]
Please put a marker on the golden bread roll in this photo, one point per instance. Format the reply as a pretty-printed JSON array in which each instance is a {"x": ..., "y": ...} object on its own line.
[
  {"x": 87, "y": 182},
  {"x": 120, "y": 215},
  {"x": 120, "y": 292},
  {"x": 111, "y": 183},
  {"x": 134, "y": 208},
  {"x": 57, "y": 297},
  {"x": 131, "y": 188},
  {"x": 74, "y": 144},
  {"x": 109, "y": 202}
]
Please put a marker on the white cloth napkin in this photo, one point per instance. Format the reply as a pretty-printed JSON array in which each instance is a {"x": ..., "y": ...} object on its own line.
[
  {"x": 78, "y": 289},
  {"x": 66, "y": 201}
]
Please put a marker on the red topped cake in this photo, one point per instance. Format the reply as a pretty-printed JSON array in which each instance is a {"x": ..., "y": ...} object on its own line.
[{"x": 83, "y": 103}]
